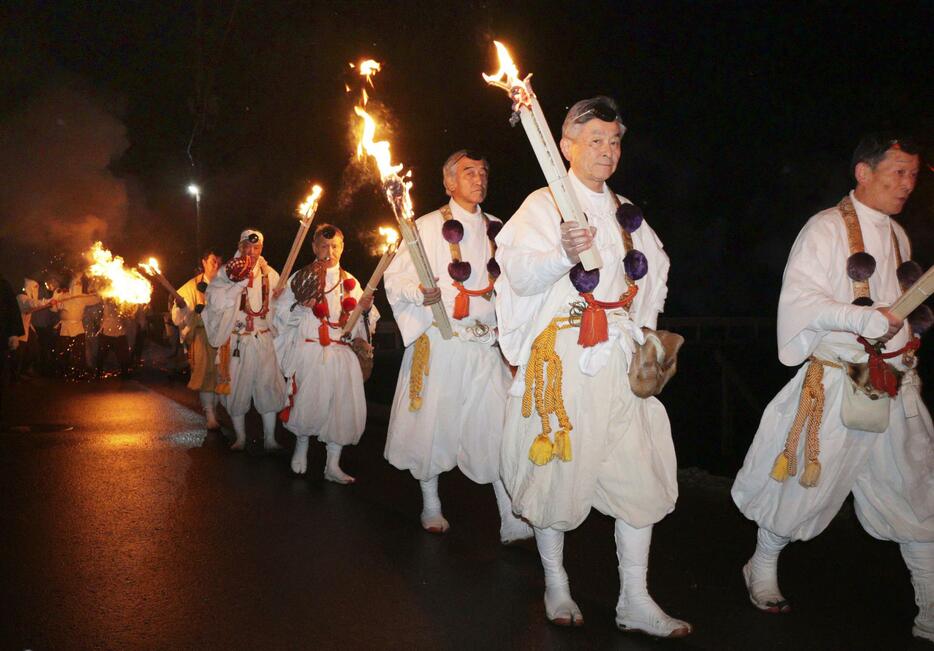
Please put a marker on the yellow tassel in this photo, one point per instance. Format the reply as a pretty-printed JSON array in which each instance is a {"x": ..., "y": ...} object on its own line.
[
  {"x": 420, "y": 364},
  {"x": 811, "y": 474},
  {"x": 542, "y": 450},
  {"x": 563, "y": 445},
  {"x": 780, "y": 469}
]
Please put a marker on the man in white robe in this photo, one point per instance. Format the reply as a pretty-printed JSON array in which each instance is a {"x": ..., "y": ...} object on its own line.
[
  {"x": 891, "y": 474},
  {"x": 71, "y": 342},
  {"x": 449, "y": 411},
  {"x": 326, "y": 383},
  {"x": 622, "y": 460},
  {"x": 238, "y": 321}
]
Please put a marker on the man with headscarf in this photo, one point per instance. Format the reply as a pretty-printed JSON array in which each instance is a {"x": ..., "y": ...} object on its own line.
[
  {"x": 238, "y": 322},
  {"x": 71, "y": 342},
  {"x": 573, "y": 333},
  {"x": 448, "y": 406},
  {"x": 201, "y": 354},
  {"x": 848, "y": 263},
  {"x": 29, "y": 303}
]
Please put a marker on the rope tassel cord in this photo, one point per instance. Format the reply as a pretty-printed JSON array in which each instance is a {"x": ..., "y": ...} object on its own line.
[
  {"x": 810, "y": 411},
  {"x": 420, "y": 366},
  {"x": 543, "y": 376}
]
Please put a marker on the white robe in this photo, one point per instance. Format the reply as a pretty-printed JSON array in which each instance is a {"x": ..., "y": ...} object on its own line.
[
  {"x": 461, "y": 419},
  {"x": 891, "y": 475},
  {"x": 254, "y": 373},
  {"x": 327, "y": 397},
  {"x": 623, "y": 458}
]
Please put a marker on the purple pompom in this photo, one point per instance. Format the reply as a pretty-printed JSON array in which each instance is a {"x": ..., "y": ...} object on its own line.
[
  {"x": 863, "y": 301},
  {"x": 629, "y": 217},
  {"x": 492, "y": 268},
  {"x": 921, "y": 319},
  {"x": 459, "y": 270},
  {"x": 635, "y": 264},
  {"x": 860, "y": 266},
  {"x": 493, "y": 229},
  {"x": 453, "y": 231},
  {"x": 908, "y": 274},
  {"x": 584, "y": 281}
]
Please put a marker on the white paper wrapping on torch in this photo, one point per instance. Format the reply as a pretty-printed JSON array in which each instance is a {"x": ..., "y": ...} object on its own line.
[
  {"x": 914, "y": 296},
  {"x": 425, "y": 276},
  {"x": 556, "y": 175}
]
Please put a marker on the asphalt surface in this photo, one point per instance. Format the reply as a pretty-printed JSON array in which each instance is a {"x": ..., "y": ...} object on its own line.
[{"x": 136, "y": 529}]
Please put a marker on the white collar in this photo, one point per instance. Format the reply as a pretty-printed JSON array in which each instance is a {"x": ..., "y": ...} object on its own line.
[
  {"x": 458, "y": 211},
  {"x": 871, "y": 214}
]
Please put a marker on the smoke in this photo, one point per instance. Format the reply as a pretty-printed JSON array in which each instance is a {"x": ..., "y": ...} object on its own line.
[{"x": 58, "y": 194}]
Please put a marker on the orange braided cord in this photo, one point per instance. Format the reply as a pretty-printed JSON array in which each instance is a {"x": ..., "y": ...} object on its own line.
[{"x": 473, "y": 292}]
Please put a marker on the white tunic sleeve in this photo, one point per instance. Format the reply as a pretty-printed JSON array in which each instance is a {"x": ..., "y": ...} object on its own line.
[{"x": 808, "y": 308}]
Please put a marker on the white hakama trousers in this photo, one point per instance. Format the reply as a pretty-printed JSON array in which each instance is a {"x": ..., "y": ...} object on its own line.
[
  {"x": 254, "y": 376},
  {"x": 460, "y": 422},
  {"x": 623, "y": 460},
  {"x": 328, "y": 400},
  {"x": 891, "y": 475}
]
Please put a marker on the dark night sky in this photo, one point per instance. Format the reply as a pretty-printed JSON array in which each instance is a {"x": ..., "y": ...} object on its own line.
[{"x": 742, "y": 117}]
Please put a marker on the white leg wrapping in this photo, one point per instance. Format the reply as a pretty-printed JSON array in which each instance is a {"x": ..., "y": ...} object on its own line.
[
  {"x": 269, "y": 431},
  {"x": 209, "y": 405},
  {"x": 300, "y": 455},
  {"x": 559, "y": 606},
  {"x": 332, "y": 468},
  {"x": 432, "y": 519},
  {"x": 761, "y": 573},
  {"x": 239, "y": 425},
  {"x": 919, "y": 557},
  {"x": 511, "y": 528},
  {"x": 636, "y": 610}
]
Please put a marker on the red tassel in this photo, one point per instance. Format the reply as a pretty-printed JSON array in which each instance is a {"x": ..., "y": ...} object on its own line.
[
  {"x": 461, "y": 305},
  {"x": 349, "y": 284},
  {"x": 324, "y": 334},
  {"x": 285, "y": 413},
  {"x": 348, "y": 304},
  {"x": 594, "y": 328}
]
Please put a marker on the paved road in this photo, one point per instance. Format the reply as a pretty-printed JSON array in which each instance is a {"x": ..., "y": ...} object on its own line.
[{"x": 138, "y": 530}]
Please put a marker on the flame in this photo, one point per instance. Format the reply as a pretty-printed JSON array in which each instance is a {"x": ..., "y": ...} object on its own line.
[
  {"x": 125, "y": 286},
  {"x": 390, "y": 237},
  {"x": 507, "y": 69},
  {"x": 310, "y": 204},
  {"x": 507, "y": 78},
  {"x": 151, "y": 267},
  {"x": 396, "y": 186},
  {"x": 368, "y": 68}
]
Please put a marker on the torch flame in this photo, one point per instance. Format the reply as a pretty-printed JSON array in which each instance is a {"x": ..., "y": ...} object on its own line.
[
  {"x": 369, "y": 68},
  {"x": 507, "y": 69},
  {"x": 310, "y": 204},
  {"x": 507, "y": 78},
  {"x": 151, "y": 267},
  {"x": 390, "y": 237},
  {"x": 125, "y": 286}
]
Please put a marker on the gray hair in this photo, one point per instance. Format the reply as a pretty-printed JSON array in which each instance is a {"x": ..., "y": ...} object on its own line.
[
  {"x": 450, "y": 165},
  {"x": 585, "y": 110}
]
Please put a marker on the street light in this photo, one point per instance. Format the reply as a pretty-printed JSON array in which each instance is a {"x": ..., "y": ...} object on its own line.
[{"x": 195, "y": 191}]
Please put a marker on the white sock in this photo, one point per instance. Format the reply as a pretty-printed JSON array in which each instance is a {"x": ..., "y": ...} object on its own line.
[
  {"x": 761, "y": 572},
  {"x": 332, "y": 468},
  {"x": 636, "y": 609},
  {"x": 269, "y": 431},
  {"x": 919, "y": 557},
  {"x": 511, "y": 528},
  {"x": 559, "y": 606},
  {"x": 239, "y": 425},
  {"x": 300, "y": 455},
  {"x": 432, "y": 519}
]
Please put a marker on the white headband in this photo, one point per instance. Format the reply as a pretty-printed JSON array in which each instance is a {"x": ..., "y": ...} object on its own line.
[{"x": 245, "y": 235}]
